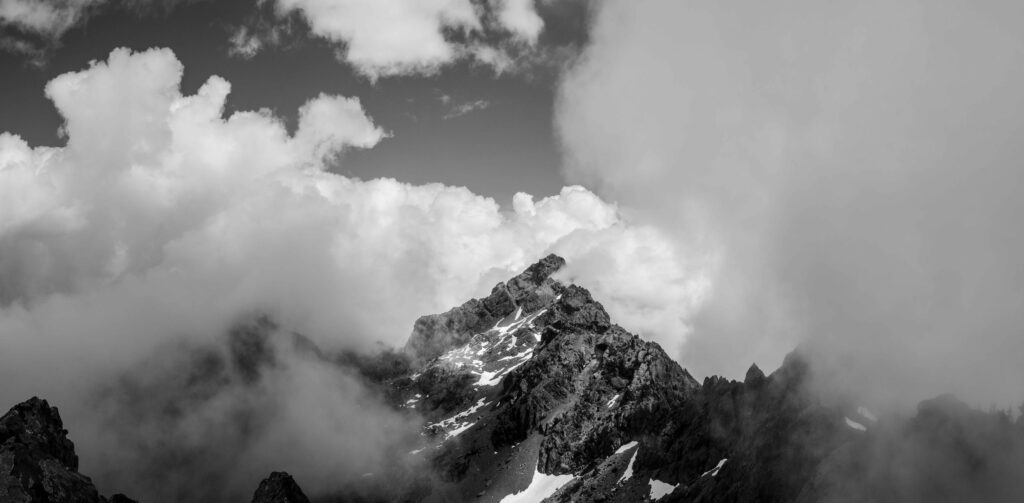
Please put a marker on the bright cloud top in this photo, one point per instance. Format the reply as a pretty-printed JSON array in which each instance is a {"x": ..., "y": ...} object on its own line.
[
  {"x": 397, "y": 37},
  {"x": 392, "y": 37}
]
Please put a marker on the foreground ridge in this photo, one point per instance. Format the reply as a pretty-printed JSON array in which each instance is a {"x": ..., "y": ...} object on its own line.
[{"x": 37, "y": 460}]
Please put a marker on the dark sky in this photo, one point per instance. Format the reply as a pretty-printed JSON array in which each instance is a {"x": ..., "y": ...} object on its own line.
[{"x": 496, "y": 151}]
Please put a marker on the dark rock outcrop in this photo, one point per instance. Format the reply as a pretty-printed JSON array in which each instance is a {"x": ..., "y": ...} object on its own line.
[
  {"x": 589, "y": 388},
  {"x": 279, "y": 487},
  {"x": 38, "y": 463}
]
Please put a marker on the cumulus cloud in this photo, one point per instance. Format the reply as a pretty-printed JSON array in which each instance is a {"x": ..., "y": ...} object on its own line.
[
  {"x": 520, "y": 17},
  {"x": 414, "y": 36},
  {"x": 853, "y": 167},
  {"x": 388, "y": 37},
  {"x": 129, "y": 254}
]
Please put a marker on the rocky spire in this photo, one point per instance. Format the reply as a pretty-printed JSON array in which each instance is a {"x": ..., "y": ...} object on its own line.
[
  {"x": 38, "y": 463},
  {"x": 36, "y": 426},
  {"x": 436, "y": 333},
  {"x": 279, "y": 487}
]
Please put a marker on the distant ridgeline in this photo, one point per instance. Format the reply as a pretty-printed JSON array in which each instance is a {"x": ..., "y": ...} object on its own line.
[{"x": 532, "y": 393}]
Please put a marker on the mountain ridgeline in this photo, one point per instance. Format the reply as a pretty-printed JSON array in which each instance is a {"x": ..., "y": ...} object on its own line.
[{"x": 533, "y": 393}]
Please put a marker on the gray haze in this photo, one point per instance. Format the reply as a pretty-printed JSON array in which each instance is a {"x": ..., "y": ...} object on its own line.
[{"x": 854, "y": 171}]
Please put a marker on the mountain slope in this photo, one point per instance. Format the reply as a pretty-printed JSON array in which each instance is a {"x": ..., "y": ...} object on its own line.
[{"x": 533, "y": 393}]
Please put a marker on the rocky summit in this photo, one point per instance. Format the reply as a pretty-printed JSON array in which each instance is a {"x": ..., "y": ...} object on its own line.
[
  {"x": 37, "y": 460},
  {"x": 533, "y": 393}
]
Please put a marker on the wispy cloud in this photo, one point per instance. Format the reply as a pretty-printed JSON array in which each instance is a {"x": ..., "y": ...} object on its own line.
[{"x": 465, "y": 108}]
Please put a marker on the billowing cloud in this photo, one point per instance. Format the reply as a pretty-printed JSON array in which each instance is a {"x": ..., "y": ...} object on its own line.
[
  {"x": 413, "y": 36},
  {"x": 129, "y": 253},
  {"x": 854, "y": 167},
  {"x": 520, "y": 18},
  {"x": 388, "y": 37}
]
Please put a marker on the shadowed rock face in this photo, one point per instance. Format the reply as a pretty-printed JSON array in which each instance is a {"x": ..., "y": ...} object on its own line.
[
  {"x": 588, "y": 390},
  {"x": 37, "y": 460},
  {"x": 279, "y": 487}
]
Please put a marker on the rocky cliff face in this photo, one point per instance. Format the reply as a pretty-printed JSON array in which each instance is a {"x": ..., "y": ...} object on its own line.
[
  {"x": 434, "y": 334},
  {"x": 37, "y": 460},
  {"x": 533, "y": 393},
  {"x": 279, "y": 487}
]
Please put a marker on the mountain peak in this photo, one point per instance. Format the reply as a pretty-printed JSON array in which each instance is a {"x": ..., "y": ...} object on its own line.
[
  {"x": 38, "y": 426},
  {"x": 434, "y": 334},
  {"x": 38, "y": 460},
  {"x": 279, "y": 487}
]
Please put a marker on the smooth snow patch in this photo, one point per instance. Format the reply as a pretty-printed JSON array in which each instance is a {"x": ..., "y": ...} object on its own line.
[
  {"x": 625, "y": 447},
  {"x": 866, "y": 414},
  {"x": 519, "y": 313},
  {"x": 714, "y": 471},
  {"x": 453, "y": 425},
  {"x": 510, "y": 369},
  {"x": 493, "y": 378},
  {"x": 611, "y": 402},
  {"x": 417, "y": 451},
  {"x": 541, "y": 486},
  {"x": 855, "y": 425},
  {"x": 660, "y": 489},
  {"x": 629, "y": 468},
  {"x": 456, "y": 431},
  {"x": 525, "y": 354},
  {"x": 489, "y": 378}
]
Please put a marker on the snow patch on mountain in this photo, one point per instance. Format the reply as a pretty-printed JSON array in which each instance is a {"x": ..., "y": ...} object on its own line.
[
  {"x": 855, "y": 425},
  {"x": 629, "y": 468},
  {"x": 661, "y": 489},
  {"x": 714, "y": 471},
  {"x": 541, "y": 486}
]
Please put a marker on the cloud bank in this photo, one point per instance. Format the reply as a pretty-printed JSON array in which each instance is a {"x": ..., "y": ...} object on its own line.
[
  {"x": 130, "y": 254},
  {"x": 855, "y": 169}
]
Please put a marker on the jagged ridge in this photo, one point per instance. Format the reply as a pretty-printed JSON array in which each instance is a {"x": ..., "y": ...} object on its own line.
[{"x": 535, "y": 382}]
